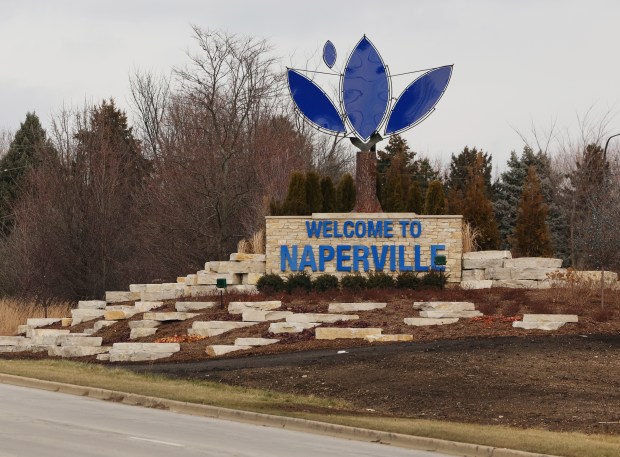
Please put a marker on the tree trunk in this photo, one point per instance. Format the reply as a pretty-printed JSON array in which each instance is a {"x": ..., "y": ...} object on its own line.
[{"x": 366, "y": 200}]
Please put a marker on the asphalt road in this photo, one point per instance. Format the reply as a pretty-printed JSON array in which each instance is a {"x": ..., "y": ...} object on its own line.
[{"x": 40, "y": 423}]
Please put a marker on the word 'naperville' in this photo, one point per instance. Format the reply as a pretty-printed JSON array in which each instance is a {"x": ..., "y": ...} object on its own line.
[{"x": 354, "y": 257}]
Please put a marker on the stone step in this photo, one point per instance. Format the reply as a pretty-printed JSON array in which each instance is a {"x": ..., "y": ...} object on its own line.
[
  {"x": 66, "y": 321},
  {"x": 389, "y": 338},
  {"x": 354, "y": 307},
  {"x": 169, "y": 316},
  {"x": 245, "y": 266},
  {"x": 210, "y": 279},
  {"x": 550, "y": 318},
  {"x": 72, "y": 341},
  {"x": 47, "y": 337},
  {"x": 137, "y": 356},
  {"x": 26, "y": 348},
  {"x": 105, "y": 357},
  {"x": 423, "y": 321},
  {"x": 144, "y": 306},
  {"x": 483, "y": 284},
  {"x": 444, "y": 306},
  {"x": 190, "y": 306},
  {"x": 238, "y": 307},
  {"x": 487, "y": 255},
  {"x": 102, "y": 324},
  {"x": 119, "y": 315},
  {"x": 13, "y": 340},
  {"x": 141, "y": 332},
  {"x": 213, "y": 328},
  {"x": 76, "y": 351},
  {"x": 42, "y": 322},
  {"x": 85, "y": 315},
  {"x": 91, "y": 304},
  {"x": 215, "y": 350},
  {"x": 22, "y": 329},
  {"x": 291, "y": 327},
  {"x": 320, "y": 317},
  {"x": 449, "y": 314},
  {"x": 538, "y": 325},
  {"x": 255, "y": 341},
  {"x": 241, "y": 256},
  {"x": 144, "y": 324},
  {"x": 250, "y": 278},
  {"x": 334, "y": 333},
  {"x": 258, "y": 315},
  {"x": 200, "y": 291},
  {"x": 533, "y": 262},
  {"x": 121, "y": 296},
  {"x": 149, "y": 347}
]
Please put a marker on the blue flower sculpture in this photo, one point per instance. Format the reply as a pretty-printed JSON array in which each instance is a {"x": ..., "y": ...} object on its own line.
[{"x": 365, "y": 96}]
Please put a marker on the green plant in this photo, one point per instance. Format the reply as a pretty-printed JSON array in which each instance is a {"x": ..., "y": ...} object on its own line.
[
  {"x": 270, "y": 283},
  {"x": 408, "y": 280},
  {"x": 434, "y": 280},
  {"x": 325, "y": 282},
  {"x": 379, "y": 280},
  {"x": 354, "y": 282},
  {"x": 297, "y": 281}
]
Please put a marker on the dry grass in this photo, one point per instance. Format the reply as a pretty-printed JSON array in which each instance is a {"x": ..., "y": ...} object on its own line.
[
  {"x": 254, "y": 245},
  {"x": 470, "y": 238},
  {"x": 324, "y": 410},
  {"x": 14, "y": 312}
]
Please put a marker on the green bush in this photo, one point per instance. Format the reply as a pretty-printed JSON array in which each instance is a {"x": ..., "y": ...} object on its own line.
[
  {"x": 325, "y": 282},
  {"x": 379, "y": 280},
  {"x": 408, "y": 280},
  {"x": 270, "y": 283},
  {"x": 354, "y": 282},
  {"x": 434, "y": 280},
  {"x": 298, "y": 281}
]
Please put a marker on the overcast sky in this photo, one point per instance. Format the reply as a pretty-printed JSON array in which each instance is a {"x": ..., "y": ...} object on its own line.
[{"x": 515, "y": 61}]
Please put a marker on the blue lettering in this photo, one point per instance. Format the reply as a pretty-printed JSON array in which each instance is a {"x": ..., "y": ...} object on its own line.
[
  {"x": 337, "y": 234},
  {"x": 375, "y": 228},
  {"x": 401, "y": 260},
  {"x": 313, "y": 229},
  {"x": 307, "y": 259},
  {"x": 349, "y": 224},
  {"x": 379, "y": 261},
  {"x": 415, "y": 229},
  {"x": 403, "y": 227},
  {"x": 360, "y": 254},
  {"x": 327, "y": 229},
  {"x": 360, "y": 233},
  {"x": 286, "y": 256},
  {"x": 326, "y": 253},
  {"x": 392, "y": 258},
  {"x": 418, "y": 266},
  {"x": 434, "y": 249},
  {"x": 341, "y": 257},
  {"x": 388, "y": 227}
]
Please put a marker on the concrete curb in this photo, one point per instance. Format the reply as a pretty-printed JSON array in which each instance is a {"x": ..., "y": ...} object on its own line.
[{"x": 268, "y": 420}]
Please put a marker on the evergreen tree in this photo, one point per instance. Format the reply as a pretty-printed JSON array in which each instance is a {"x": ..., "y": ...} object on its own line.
[
  {"x": 328, "y": 193},
  {"x": 25, "y": 152},
  {"x": 460, "y": 166},
  {"x": 415, "y": 203},
  {"x": 275, "y": 208},
  {"x": 314, "y": 197},
  {"x": 435, "y": 199},
  {"x": 295, "y": 202},
  {"x": 392, "y": 195},
  {"x": 346, "y": 193},
  {"x": 531, "y": 233}
]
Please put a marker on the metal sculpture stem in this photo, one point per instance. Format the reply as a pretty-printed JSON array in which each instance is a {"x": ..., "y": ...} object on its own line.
[{"x": 366, "y": 200}]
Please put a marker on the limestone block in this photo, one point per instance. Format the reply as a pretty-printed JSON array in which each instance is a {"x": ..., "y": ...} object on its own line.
[
  {"x": 487, "y": 255},
  {"x": 517, "y": 284},
  {"x": 536, "y": 274},
  {"x": 118, "y": 315},
  {"x": 389, "y": 338},
  {"x": 85, "y": 315},
  {"x": 245, "y": 266},
  {"x": 185, "y": 306},
  {"x": 538, "y": 325},
  {"x": 472, "y": 275},
  {"x": 91, "y": 304},
  {"x": 41, "y": 322},
  {"x": 354, "y": 307},
  {"x": 139, "y": 288},
  {"x": 333, "y": 333},
  {"x": 181, "y": 279},
  {"x": 211, "y": 267},
  {"x": 66, "y": 322},
  {"x": 243, "y": 289},
  {"x": 215, "y": 350},
  {"x": 226, "y": 325},
  {"x": 161, "y": 294},
  {"x": 238, "y": 307},
  {"x": 70, "y": 340},
  {"x": 423, "y": 321},
  {"x": 141, "y": 332},
  {"x": 471, "y": 264},
  {"x": 240, "y": 256},
  {"x": 259, "y": 315},
  {"x": 138, "y": 356},
  {"x": 550, "y": 318},
  {"x": 210, "y": 279},
  {"x": 47, "y": 332},
  {"x": 76, "y": 351},
  {"x": 105, "y": 357},
  {"x": 444, "y": 306},
  {"x": 255, "y": 341},
  {"x": 291, "y": 327},
  {"x": 484, "y": 284},
  {"x": 171, "y": 316},
  {"x": 319, "y": 317},
  {"x": 146, "y": 347},
  {"x": 251, "y": 278},
  {"x": 102, "y": 324},
  {"x": 22, "y": 329},
  {"x": 121, "y": 296},
  {"x": 200, "y": 291},
  {"x": 190, "y": 280},
  {"x": 498, "y": 273},
  {"x": 533, "y": 262},
  {"x": 47, "y": 337},
  {"x": 144, "y": 306},
  {"x": 144, "y": 324},
  {"x": 13, "y": 340},
  {"x": 448, "y": 314}
]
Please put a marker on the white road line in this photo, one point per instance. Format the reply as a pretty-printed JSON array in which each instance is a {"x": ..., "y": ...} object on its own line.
[{"x": 165, "y": 443}]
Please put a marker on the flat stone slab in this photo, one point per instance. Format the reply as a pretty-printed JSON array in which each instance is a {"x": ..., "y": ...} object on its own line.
[
  {"x": 85, "y": 315},
  {"x": 550, "y": 318},
  {"x": 91, "y": 304},
  {"x": 189, "y": 306},
  {"x": 241, "y": 256},
  {"x": 119, "y": 315},
  {"x": 215, "y": 350},
  {"x": 322, "y": 318},
  {"x": 499, "y": 273},
  {"x": 146, "y": 347},
  {"x": 210, "y": 279},
  {"x": 354, "y": 307},
  {"x": 487, "y": 255},
  {"x": 141, "y": 332},
  {"x": 538, "y": 325},
  {"x": 138, "y": 356},
  {"x": 144, "y": 306},
  {"x": 449, "y": 314},
  {"x": 66, "y": 321},
  {"x": 482, "y": 264},
  {"x": 70, "y": 341},
  {"x": 255, "y": 341},
  {"x": 137, "y": 288},
  {"x": 244, "y": 266},
  {"x": 291, "y": 327},
  {"x": 213, "y": 328},
  {"x": 389, "y": 338},
  {"x": 533, "y": 262},
  {"x": 535, "y": 274},
  {"x": 22, "y": 329},
  {"x": 258, "y": 315},
  {"x": 473, "y": 275},
  {"x": 42, "y": 322},
  {"x": 171, "y": 316},
  {"x": 424, "y": 321},
  {"x": 144, "y": 324},
  {"x": 334, "y": 333},
  {"x": 444, "y": 306},
  {"x": 76, "y": 351},
  {"x": 517, "y": 283},
  {"x": 102, "y": 324},
  {"x": 13, "y": 340},
  {"x": 160, "y": 295},
  {"x": 483, "y": 284},
  {"x": 121, "y": 296},
  {"x": 105, "y": 357},
  {"x": 238, "y": 307}
]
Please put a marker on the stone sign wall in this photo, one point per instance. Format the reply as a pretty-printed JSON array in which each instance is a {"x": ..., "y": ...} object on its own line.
[{"x": 345, "y": 243}]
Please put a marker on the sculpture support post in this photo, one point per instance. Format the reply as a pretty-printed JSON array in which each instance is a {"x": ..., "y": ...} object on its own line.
[{"x": 366, "y": 200}]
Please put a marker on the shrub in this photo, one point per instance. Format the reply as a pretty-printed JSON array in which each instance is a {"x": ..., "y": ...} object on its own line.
[
  {"x": 325, "y": 282},
  {"x": 379, "y": 280},
  {"x": 297, "y": 281},
  {"x": 270, "y": 283},
  {"x": 354, "y": 282},
  {"x": 408, "y": 280},
  {"x": 434, "y": 280}
]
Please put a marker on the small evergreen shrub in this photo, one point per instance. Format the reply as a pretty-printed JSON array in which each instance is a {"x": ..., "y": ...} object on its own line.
[
  {"x": 298, "y": 281},
  {"x": 354, "y": 282},
  {"x": 325, "y": 282},
  {"x": 434, "y": 280},
  {"x": 379, "y": 280},
  {"x": 408, "y": 280},
  {"x": 270, "y": 283}
]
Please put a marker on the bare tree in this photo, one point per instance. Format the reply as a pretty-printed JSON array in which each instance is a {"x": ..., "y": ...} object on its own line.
[{"x": 6, "y": 138}]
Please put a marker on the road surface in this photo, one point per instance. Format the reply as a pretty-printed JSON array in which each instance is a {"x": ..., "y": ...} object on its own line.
[{"x": 40, "y": 423}]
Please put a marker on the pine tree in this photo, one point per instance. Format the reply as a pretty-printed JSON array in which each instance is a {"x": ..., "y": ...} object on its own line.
[
  {"x": 346, "y": 193},
  {"x": 314, "y": 197},
  {"x": 25, "y": 152},
  {"x": 415, "y": 203},
  {"x": 329, "y": 195},
  {"x": 295, "y": 202},
  {"x": 461, "y": 164},
  {"x": 392, "y": 195},
  {"x": 435, "y": 199},
  {"x": 531, "y": 233}
]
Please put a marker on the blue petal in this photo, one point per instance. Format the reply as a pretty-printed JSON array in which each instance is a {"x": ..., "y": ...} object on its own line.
[
  {"x": 329, "y": 54},
  {"x": 313, "y": 103},
  {"x": 418, "y": 99},
  {"x": 366, "y": 89}
]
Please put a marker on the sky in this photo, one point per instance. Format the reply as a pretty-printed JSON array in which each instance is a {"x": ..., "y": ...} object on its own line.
[{"x": 516, "y": 62}]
